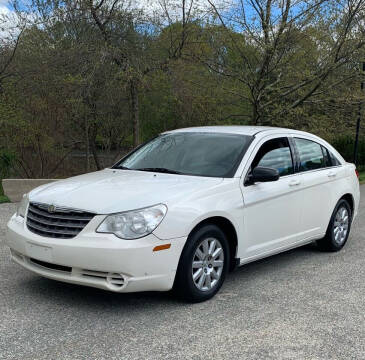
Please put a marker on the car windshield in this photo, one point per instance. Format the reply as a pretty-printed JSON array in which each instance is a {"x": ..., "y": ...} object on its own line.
[{"x": 189, "y": 153}]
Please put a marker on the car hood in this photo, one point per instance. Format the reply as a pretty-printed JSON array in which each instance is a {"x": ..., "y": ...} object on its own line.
[{"x": 109, "y": 191}]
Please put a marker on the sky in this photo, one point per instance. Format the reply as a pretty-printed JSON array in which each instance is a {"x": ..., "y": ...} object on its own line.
[
  {"x": 151, "y": 7},
  {"x": 3, "y": 7},
  {"x": 5, "y": 12}
]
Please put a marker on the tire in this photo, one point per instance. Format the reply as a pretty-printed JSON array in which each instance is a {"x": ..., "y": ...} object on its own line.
[
  {"x": 209, "y": 237},
  {"x": 338, "y": 228}
]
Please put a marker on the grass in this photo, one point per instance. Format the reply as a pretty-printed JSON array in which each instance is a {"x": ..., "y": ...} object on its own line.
[
  {"x": 3, "y": 198},
  {"x": 362, "y": 176}
]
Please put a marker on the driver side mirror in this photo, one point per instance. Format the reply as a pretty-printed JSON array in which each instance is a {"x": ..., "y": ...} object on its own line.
[{"x": 262, "y": 174}]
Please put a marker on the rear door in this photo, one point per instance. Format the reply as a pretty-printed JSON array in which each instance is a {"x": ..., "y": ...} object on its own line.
[{"x": 317, "y": 176}]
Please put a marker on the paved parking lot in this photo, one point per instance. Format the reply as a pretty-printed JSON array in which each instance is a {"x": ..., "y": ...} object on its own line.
[{"x": 302, "y": 304}]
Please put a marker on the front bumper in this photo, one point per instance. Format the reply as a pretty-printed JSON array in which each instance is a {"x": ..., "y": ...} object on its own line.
[{"x": 98, "y": 260}]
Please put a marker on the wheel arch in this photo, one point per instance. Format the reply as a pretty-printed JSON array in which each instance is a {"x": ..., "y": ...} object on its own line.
[
  {"x": 346, "y": 196},
  {"x": 229, "y": 230},
  {"x": 350, "y": 199}
]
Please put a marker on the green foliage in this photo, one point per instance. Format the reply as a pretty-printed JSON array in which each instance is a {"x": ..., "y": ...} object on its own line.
[
  {"x": 7, "y": 160},
  {"x": 66, "y": 101},
  {"x": 3, "y": 198},
  {"x": 345, "y": 146},
  {"x": 362, "y": 177}
]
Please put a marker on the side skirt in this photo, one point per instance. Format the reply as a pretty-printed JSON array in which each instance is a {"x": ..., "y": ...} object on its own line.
[{"x": 278, "y": 250}]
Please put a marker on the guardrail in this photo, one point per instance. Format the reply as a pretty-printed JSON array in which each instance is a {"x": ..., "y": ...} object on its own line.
[{"x": 15, "y": 188}]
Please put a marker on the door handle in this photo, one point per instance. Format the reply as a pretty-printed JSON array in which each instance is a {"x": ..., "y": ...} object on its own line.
[
  {"x": 294, "y": 183},
  {"x": 331, "y": 174}
]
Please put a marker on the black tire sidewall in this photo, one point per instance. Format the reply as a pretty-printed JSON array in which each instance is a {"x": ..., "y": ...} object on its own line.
[{"x": 184, "y": 284}]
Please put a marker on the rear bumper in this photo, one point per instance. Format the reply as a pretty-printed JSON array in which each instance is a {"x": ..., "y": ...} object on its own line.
[{"x": 98, "y": 260}]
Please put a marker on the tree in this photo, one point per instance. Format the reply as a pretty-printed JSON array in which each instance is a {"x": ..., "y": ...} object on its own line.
[
  {"x": 10, "y": 34},
  {"x": 284, "y": 53},
  {"x": 129, "y": 37}
]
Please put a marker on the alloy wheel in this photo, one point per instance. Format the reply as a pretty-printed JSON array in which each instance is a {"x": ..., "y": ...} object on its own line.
[
  {"x": 341, "y": 225},
  {"x": 208, "y": 263}
]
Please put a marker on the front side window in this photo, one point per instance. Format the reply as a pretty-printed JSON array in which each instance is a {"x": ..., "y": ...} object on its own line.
[
  {"x": 190, "y": 153},
  {"x": 275, "y": 154},
  {"x": 310, "y": 155}
]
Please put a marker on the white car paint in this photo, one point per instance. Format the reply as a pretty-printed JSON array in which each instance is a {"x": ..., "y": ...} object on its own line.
[
  {"x": 115, "y": 191},
  {"x": 267, "y": 217}
]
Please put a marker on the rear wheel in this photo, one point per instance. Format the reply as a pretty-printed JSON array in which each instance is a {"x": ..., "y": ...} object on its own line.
[
  {"x": 338, "y": 229},
  {"x": 203, "y": 264}
]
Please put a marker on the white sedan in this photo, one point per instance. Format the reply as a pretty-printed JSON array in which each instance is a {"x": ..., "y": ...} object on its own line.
[{"x": 183, "y": 209}]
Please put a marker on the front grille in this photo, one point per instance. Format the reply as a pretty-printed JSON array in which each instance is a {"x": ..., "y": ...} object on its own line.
[{"x": 60, "y": 222}]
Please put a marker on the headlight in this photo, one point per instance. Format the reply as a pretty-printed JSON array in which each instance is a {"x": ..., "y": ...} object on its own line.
[
  {"x": 133, "y": 224},
  {"x": 22, "y": 206}
]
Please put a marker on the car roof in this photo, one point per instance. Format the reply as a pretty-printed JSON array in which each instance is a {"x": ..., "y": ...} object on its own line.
[{"x": 240, "y": 129}]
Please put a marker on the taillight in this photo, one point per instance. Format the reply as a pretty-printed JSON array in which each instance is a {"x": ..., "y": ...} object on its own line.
[{"x": 357, "y": 173}]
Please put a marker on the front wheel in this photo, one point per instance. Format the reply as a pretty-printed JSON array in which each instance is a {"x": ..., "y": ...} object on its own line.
[
  {"x": 203, "y": 264},
  {"x": 338, "y": 229}
]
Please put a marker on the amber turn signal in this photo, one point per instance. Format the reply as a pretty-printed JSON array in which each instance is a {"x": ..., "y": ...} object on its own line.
[{"x": 162, "y": 247}]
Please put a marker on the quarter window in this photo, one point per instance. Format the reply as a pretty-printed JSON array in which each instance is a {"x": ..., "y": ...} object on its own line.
[
  {"x": 334, "y": 160},
  {"x": 327, "y": 159},
  {"x": 310, "y": 155},
  {"x": 275, "y": 154}
]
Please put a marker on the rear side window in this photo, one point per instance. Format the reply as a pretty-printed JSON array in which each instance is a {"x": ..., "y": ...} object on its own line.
[
  {"x": 329, "y": 158},
  {"x": 334, "y": 160},
  {"x": 310, "y": 155},
  {"x": 275, "y": 154}
]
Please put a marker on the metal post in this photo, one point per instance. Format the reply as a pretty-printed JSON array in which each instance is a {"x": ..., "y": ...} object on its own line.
[{"x": 359, "y": 117}]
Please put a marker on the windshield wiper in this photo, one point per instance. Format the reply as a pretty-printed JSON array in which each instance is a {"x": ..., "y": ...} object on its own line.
[
  {"x": 161, "y": 170},
  {"x": 122, "y": 168}
]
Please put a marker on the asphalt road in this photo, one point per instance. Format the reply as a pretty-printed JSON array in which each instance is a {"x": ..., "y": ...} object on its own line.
[{"x": 302, "y": 304}]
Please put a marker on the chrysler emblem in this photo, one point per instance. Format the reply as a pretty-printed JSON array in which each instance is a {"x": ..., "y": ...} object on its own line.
[{"x": 51, "y": 209}]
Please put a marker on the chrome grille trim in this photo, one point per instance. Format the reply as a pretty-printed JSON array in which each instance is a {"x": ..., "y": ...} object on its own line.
[
  {"x": 53, "y": 223},
  {"x": 62, "y": 222}
]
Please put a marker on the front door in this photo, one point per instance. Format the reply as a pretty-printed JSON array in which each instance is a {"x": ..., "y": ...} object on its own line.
[{"x": 272, "y": 211}]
